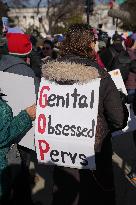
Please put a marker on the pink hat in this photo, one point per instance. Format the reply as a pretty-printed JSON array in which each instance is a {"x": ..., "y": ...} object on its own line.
[{"x": 18, "y": 44}]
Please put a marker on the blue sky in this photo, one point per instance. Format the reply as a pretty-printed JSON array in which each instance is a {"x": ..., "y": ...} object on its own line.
[{"x": 31, "y": 3}]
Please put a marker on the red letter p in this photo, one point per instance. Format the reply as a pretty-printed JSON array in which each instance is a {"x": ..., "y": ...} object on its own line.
[{"x": 43, "y": 151}]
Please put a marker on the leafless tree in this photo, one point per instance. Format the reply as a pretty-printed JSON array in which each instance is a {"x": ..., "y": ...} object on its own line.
[
  {"x": 59, "y": 12},
  {"x": 126, "y": 13},
  {"x": 38, "y": 6}
]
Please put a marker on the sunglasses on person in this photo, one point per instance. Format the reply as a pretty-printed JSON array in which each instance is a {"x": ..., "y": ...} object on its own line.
[{"x": 46, "y": 48}]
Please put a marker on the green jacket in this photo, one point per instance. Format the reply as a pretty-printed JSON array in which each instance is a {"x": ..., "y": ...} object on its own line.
[{"x": 10, "y": 129}]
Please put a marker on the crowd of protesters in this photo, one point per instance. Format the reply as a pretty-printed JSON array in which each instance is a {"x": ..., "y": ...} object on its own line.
[{"x": 20, "y": 54}]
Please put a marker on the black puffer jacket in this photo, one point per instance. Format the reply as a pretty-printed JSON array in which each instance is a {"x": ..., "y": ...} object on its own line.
[{"x": 73, "y": 186}]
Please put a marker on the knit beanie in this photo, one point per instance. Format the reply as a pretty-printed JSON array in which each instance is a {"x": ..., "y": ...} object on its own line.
[
  {"x": 129, "y": 42},
  {"x": 18, "y": 44}
]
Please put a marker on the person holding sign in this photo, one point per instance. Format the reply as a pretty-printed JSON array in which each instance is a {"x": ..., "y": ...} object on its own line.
[
  {"x": 14, "y": 61},
  {"x": 77, "y": 65},
  {"x": 11, "y": 128},
  {"x": 19, "y": 47}
]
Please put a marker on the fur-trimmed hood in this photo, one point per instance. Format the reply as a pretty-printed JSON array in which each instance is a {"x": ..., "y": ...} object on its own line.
[{"x": 69, "y": 71}]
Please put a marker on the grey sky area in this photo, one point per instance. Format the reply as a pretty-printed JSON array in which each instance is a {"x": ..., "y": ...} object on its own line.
[{"x": 28, "y": 3}]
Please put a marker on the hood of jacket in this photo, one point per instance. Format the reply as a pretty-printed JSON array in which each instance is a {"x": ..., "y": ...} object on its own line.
[
  {"x": 8, "y": 61},
  {"x": 64, "y": 71}
]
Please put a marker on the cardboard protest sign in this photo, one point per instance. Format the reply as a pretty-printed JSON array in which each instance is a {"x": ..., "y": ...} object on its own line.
[
  {"x": 118, "y": 80},
  {"x": 66, "y": 122},
  {"x": 131, "y": 125},
  {"x": 20, "y": 91}
]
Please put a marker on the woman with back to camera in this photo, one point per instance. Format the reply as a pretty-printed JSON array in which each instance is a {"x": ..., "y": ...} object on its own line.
[{"x": 77, "y": 64}]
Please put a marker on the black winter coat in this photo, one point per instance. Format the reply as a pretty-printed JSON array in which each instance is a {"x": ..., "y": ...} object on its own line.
[{"x": 79, "y": 187}]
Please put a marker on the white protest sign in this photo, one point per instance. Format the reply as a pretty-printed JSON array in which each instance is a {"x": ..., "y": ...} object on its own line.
[
  {"x": 131, "y": 125},
  {"x": 118, "y": 80},
  {"x": 20, "y": 91},
  {"x": 66, "y": 122}
]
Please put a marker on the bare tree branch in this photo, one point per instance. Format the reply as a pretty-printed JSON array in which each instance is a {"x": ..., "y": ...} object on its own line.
[
  {"x": 126, "y": 13},
  {"x": 38, "y": 6},
  {"x": 59, "y": 11}
]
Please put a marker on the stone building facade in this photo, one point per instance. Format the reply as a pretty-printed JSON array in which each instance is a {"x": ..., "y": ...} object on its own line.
[{"x": 27, "y": 17}]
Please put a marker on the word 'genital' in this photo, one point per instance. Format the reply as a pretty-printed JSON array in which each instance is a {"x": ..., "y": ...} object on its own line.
[{"x": 54, "y": 100}]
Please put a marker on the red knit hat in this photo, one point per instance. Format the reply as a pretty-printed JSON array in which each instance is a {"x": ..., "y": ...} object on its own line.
[
  {"x": 19, "y": 44},
  {"x": 129, "y": 42}
]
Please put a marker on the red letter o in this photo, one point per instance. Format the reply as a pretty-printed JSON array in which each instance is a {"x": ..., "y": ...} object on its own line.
[{"x": 42, "y": 117}]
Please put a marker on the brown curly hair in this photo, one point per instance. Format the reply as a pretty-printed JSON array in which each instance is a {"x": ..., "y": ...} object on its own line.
[{"x": 78, "y": 39}]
